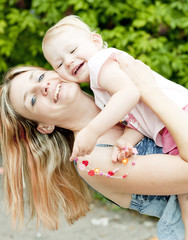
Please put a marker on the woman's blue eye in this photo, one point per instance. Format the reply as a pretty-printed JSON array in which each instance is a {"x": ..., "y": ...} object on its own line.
[
  {"x": 41, "y": 77},
  {"x": 33, "y": 100}
]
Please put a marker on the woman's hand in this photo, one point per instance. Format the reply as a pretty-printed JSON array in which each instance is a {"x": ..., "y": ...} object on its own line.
[{"x": 139, "y": 73}]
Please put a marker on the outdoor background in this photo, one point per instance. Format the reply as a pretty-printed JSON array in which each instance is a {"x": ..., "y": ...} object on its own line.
[{"x": 155, "y": 32}]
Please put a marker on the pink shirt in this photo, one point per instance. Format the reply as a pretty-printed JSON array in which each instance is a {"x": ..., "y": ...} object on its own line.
[
  {"x": 169, "y": 145},
  {"x": 140, "y": 117}
]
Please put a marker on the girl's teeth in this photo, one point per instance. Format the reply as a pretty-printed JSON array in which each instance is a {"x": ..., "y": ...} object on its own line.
[{"x": 76, "y": 70}]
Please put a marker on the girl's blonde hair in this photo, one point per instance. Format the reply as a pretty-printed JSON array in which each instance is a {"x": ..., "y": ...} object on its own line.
[
  {"x": 52, "y": 183},
  {"x": 66, "y": 22}
]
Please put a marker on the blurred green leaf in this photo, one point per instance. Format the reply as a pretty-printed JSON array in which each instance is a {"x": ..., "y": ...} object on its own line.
[{"x": 154, "y": 31}]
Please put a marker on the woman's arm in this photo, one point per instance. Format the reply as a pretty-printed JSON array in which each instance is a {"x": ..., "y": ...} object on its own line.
[
  {"x": 174, "y": 118},
  {"x": 154, "y": 174}
]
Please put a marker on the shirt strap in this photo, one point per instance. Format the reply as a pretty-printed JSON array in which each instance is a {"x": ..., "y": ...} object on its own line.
[{"x": 104, "y": 145}]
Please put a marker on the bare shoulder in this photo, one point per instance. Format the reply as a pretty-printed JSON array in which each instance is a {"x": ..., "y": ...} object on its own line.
[
  {"x": 109, "y": 71},
  {"x": 112, "y": 78}
]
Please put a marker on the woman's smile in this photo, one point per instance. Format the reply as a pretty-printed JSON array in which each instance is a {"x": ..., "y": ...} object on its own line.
[{"x": 56, "y": 95}]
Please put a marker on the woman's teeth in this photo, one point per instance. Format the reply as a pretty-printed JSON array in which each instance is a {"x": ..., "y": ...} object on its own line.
[{"x": 56, "y": 95}]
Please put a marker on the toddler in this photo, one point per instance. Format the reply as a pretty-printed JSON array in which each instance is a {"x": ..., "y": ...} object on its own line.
[{"x": 80, "y": 55}]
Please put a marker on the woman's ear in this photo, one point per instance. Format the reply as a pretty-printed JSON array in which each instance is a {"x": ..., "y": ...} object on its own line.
[
  {"x": 45, "y": 129},
  {"x": 97, "y": 39}
]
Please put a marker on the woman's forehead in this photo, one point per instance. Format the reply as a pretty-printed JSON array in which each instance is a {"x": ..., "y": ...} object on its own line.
[
  {"x": 18, "y": 84},
  {"x": 20, "y": 70}
]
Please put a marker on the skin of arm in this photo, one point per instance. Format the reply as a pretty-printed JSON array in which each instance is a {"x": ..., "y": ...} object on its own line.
[
  {"x": 180, "y": 119},
  {"x": 153, "y": 174},
  {"x": 174, "y": 118},
  {"x": 166, "y": 109},
  {"x": 168, "y": 112},
  {"x": 124, "y": 96}
]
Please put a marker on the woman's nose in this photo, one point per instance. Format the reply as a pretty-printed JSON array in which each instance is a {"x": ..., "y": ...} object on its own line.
[
  {"x": 44, "y": 90},
  {"x": 41, "y": 87}
]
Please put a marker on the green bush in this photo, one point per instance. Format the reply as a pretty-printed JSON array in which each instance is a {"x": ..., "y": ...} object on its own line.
[{"x": 152, "y": 31}]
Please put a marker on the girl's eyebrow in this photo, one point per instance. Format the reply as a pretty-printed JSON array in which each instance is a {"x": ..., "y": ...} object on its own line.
[{"x": 56, "y": 59}]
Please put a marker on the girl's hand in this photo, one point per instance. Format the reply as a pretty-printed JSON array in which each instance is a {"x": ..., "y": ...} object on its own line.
[
  {"x": 84, "y": 143},
  {"x": 122, "y": 150}
]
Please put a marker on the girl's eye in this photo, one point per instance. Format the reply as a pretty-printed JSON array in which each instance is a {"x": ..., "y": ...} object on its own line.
[
  {"x": 33, "y": 100},
  {"x": 41, "y": 77},
  {"x": 60, "y": 64},
  {"x": 73, "y": 50}
]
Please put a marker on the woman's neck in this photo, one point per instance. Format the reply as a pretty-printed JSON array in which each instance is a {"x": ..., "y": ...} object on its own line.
[
  {"x": 82, "y": 111},
  {"x": 85, "y": 116},
  {"x": 88, "y": 111}
]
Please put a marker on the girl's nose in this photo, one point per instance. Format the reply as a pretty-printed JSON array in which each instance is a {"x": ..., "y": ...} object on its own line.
[{"x": 69, "y": 62}]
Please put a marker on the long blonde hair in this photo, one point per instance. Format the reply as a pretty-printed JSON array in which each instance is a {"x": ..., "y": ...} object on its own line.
[{"x": 52, "y": 183}]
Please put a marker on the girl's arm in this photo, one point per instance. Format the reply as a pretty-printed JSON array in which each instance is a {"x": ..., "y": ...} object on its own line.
[{"x": 124, "y": 96}]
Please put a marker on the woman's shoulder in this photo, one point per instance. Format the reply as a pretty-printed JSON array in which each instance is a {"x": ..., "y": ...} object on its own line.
[{"x": 100, "y": 161}]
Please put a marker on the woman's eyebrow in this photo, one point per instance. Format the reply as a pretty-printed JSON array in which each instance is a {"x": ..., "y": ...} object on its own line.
[
  {"x": 31, "y": 75},
  {"x": 26, "y": 93},
  {"x": 25, "y": 96}
]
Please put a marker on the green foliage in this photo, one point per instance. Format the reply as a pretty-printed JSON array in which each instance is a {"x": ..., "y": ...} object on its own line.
[{"x": 154, "y": 31}]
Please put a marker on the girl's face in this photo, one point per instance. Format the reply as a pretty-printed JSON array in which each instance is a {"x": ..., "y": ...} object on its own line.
[
  {"x": 69, "y": 52},
  {"x": 42, "y": 96}
]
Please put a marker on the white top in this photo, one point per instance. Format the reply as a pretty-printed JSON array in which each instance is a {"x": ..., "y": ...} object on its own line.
[{"x": 140, "y": 117}]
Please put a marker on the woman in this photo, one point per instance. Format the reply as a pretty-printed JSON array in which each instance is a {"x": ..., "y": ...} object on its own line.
[{"x": 35, "y": 99}]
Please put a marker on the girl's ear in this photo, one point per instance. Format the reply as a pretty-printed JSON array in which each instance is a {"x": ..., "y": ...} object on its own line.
[
  {"x": 97, "y": 39},
  {"x": 45, "y": 129}
]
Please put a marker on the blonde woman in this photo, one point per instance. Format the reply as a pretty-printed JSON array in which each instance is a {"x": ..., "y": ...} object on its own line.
[{"x": 41, "y": 113}]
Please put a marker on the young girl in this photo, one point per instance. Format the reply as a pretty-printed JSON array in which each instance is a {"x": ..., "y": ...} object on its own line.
[{"x": 79, "y": 55}]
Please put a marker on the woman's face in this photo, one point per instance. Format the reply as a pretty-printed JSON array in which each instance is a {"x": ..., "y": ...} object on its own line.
[{"x": 42, "y": 96}]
